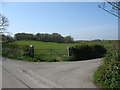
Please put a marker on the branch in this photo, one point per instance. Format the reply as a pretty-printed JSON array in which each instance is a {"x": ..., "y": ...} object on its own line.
[
  {"x": 115, "y": 8},
  {"x": 3, "y": 23},
  {"x": 114, "y": 5},
  {"x": 111, "y": 13}
]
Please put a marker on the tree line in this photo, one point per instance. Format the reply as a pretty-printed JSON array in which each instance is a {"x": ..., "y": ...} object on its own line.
[{"x": 45, "y": 37}]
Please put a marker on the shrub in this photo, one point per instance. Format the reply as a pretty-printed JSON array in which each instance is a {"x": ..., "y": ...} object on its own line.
[
  {"x": 98, "y": 50},
  {"x": 14, "y": 51},
  {"x": 108, "y": 74},
  {"x": 112, "y": 55},
  {"x": 83, "y": 52}
]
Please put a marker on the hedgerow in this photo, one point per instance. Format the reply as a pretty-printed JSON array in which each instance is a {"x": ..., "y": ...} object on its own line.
[
  {"x": 14, "y": 51},
  {"x": 84, "y": 51},
  {"x": 108, "y": 74}
]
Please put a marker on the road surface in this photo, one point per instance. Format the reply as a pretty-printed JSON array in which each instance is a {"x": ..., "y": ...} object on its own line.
[{"x": 23, "y": 74}]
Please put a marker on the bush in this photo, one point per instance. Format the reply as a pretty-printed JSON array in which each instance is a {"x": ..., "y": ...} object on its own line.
[
  {"x": 108, "y": 74},
  {"x": 113, "y": 55},
  {"x": 99, "y": 51},
  {"x": 83, "y": 52},
  {"x": 14, "y": 51}
]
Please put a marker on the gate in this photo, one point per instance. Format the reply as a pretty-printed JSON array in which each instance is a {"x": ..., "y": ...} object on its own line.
[{"x": 50, "y": 54}]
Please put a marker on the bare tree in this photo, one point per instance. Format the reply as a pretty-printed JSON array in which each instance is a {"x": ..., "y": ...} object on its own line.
[
  {"x": 111, "y": 7},
  {"x": 3, "y": 23}
]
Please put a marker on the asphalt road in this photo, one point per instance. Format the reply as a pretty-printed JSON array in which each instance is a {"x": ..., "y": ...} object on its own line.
[{"x": 22, "y": 74}]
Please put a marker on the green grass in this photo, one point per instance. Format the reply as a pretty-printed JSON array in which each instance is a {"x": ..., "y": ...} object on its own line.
[
  {"x": 50, "y": 50},
  {"x": 51, "y": 45}
]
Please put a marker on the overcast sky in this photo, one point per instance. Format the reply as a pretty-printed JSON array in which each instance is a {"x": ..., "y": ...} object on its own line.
[{"x": 81, "y": 20}]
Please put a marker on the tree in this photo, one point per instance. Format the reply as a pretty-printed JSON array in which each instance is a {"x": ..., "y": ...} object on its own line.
[
  {"x": 38, "y": 37},
  {"x": 45, "y": 37},
  {"x": 111, "y": 7},
  {"x": 7, "y": 38},
  {"x": 56, "y": 37},
  {"x": 68, "y": 39},
  {"x": 24, "y": 36},
  {"x": 3, "y": 23}
]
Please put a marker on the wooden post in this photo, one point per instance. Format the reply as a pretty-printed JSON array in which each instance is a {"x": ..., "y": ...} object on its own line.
[
  {"x": 31, "y": 51},
  {"x": 69, "y": 51}
]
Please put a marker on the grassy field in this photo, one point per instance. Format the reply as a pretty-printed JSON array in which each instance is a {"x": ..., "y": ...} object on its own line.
[
  {"x": 51, "y": 45},
  {"x": 50, "y": 50}
]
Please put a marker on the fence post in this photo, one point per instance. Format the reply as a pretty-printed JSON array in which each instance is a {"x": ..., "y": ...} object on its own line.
[
  {"x": 69, "y": 49},
  {"x": 31, "y": 51}
]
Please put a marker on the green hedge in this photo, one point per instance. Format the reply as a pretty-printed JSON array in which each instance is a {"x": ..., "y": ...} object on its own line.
[
  {"x": 83, "y": 52},
  {"x": 108, "y": 74},
  {"x": 14, "y": 51},
  {"x": 98, "y": 51}
]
